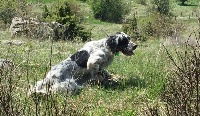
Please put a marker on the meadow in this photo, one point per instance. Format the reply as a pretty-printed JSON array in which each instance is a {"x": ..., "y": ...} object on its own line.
[{"x": 141, "y": 78}]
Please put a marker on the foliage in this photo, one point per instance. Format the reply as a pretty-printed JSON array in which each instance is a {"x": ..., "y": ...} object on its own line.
[
  {"x": 46, "y": 13},
  {"x": 182, "y": 1},
  {"x": 157, "y": 25},
  {"x": 161, "y": 6},
  {"x": 132, "y": 29},
  {"x": 143, "y": 2},
  {"x": 12, "y": 8},
  {"x": 182, "y": 89},
  {"x": 7, "y": 10},
  {"x": 67, "y": 14},
  {"x": 109, "y": 10}
]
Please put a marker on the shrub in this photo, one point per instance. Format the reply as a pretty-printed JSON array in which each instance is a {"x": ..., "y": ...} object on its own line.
[
  {"x": 182, "y": 1},
  {"x": 67, "y": 14},
  {"x": 109, "y": 10},
  {"x": 182, "y": 90},
  {"x": 161, "y": 6},
  {"x": 7, "y": 11},
  {"x": 10, "y": 9},
  {"x": 142, "y": 2},
  {"x": 158, "y": 25},
  {"x": 131, "y": 28}
]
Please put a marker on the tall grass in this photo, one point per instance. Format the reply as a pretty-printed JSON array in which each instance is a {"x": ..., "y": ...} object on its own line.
[
  {"x": 140, "y": 77},
  {"x": 138, "y": 91},
  {"x": 182, "y": 89}
]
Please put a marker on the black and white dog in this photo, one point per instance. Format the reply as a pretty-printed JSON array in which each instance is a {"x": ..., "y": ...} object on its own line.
[{"x": 70, "y": 74}]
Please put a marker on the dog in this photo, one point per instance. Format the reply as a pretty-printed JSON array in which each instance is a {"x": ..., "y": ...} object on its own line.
[{"x": 89, "y": 62}]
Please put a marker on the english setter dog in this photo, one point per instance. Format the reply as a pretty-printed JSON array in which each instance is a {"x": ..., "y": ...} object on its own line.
[{"x": 87, "y": 63}]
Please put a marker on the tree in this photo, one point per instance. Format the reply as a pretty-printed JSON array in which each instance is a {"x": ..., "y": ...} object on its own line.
[
  {"x": 69, "y": 27},
  {"x": 109, "y": 10},
  {"x": 162, "y": 6}
]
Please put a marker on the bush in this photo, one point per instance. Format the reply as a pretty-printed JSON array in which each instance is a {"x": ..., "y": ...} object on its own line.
[
  {"x": 7, "y": 11},
  {"x": 67, "y": 14},
  {"x": 131, "y": 28},
  {"x": 161, "y": 6},
  {"x": 182, "y": 1},
  {"x": 181, "y": 93},
  {"x": 109, "y": 10},
  {"x": 10, "y": 9},
  {"x": 142, "y": 2},
  {"x": 158, "y": 25}
]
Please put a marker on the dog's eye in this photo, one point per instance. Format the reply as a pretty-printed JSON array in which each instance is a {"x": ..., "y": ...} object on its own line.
[{"x": 129, "y": 38}]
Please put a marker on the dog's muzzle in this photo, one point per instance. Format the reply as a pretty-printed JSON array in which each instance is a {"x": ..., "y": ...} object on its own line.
[{"x": 129, "y": 49}]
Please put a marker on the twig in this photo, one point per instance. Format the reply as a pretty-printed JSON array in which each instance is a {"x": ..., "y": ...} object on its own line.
[
  {"x": 105, "y": 32},
  {"x": 172, "y": 59}
]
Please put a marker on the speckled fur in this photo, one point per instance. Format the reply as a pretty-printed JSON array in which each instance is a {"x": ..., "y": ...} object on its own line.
[{"x": 70, "y": 74}]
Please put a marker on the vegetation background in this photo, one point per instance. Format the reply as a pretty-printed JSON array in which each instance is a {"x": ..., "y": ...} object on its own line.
[{"x": 162, "y": 78}]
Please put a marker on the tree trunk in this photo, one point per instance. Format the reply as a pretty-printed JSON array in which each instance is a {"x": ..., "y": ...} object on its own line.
[{"x": 183, "y": 2}]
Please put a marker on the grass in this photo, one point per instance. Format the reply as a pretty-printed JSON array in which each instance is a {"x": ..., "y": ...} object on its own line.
[
  {"x": 42, "y": 1},
  {"x": 141, "y": 77}
]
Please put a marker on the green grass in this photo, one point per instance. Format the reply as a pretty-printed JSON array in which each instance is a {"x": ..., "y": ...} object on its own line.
[
  {"x": 142, "y": 77},
  {"x": 42, "y": 1}
]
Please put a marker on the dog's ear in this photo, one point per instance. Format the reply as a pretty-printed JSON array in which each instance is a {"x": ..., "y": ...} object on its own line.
[
  {"x": 81, "y": 58},
  {"x": 112, "y": 43},
  {"x": 123, "y": 41}
]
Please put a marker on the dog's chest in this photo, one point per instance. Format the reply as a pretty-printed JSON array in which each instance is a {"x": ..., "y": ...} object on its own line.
[
  {"x": 106, "y": 57},
  {"x": 106, "y": 60}
]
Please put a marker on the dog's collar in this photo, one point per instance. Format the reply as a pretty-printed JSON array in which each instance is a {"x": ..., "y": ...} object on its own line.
[{"x": 117, "y": 54}]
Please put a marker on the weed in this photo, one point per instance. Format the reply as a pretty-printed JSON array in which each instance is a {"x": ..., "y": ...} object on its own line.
[{"x": 181, "y": 92}]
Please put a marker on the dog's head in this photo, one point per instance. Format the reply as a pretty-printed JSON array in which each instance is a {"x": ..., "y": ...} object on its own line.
[{"x": 121, "y": 42}]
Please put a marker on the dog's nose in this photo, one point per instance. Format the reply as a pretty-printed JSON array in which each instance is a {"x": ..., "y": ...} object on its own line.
[
  {"x": 135, "y": 46},
  {"x": 132, "y": 46}
]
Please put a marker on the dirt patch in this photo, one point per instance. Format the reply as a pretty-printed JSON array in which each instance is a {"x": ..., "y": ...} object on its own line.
[{"x": 13, "y": 42}]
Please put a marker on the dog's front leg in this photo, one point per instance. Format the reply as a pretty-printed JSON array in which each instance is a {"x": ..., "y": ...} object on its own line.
[
  {"x": 104, "y": 74},
  {"x": 95, "y": 71},
  {"x": 96, "y": 75},
  {"x": 94, "y": 65}
]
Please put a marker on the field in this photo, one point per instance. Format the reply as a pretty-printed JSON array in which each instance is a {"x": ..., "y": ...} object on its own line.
[{"x": 141, "y": 78}]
